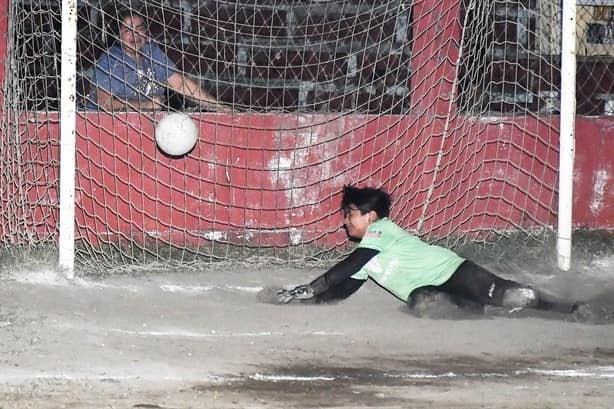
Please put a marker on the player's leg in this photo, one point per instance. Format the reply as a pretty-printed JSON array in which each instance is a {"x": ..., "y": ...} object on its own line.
[
  {"x": 431, "y": 302},
  {"x": 477, "y": 283},
  {"x": 339, "y": 291}
]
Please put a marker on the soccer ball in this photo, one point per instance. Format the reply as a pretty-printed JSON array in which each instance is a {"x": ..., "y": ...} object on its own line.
[{"x": 176, "y": 134}]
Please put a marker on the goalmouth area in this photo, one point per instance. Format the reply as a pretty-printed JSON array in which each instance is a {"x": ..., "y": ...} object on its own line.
[
  {"x": 457, "y": 108},
  {"x": 437, "y": 102}
]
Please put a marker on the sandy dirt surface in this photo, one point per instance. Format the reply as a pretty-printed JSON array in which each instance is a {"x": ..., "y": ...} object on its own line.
[{"x": 202, "y": 340}]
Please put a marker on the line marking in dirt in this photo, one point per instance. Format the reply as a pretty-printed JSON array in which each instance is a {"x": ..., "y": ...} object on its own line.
[
  {"x": 596, "y": 372},
  {"x": 213, "y": 333},
  {"x": 191, "y": 334},
  {"x": 278, "y": 378},
  {"x": 606, "y": 372}
]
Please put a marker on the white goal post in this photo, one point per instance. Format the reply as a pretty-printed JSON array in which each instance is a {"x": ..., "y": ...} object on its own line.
[
  {"x": 68, "y": 117},
  {"x": 567, "y": 143}
]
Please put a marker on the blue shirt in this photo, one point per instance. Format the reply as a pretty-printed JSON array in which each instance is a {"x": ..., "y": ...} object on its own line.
[{"x": 127, "y": 79}]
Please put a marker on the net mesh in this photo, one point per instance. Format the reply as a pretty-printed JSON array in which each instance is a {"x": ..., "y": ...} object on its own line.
[{"x": 449, "y": 105}]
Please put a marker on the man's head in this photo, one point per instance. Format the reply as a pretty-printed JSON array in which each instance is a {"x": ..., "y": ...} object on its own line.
[
  {"x": 361, "y": 207},
  {"x": 132, "y": 31}
]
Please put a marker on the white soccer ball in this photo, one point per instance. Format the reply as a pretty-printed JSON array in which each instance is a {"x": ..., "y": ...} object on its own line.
[{"x": 176, "y": 134}]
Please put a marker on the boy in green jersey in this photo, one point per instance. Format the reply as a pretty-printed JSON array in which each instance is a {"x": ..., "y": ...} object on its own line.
[{"x": 418, "y": 273}]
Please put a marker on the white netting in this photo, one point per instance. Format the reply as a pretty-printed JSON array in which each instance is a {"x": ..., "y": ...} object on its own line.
[{"x": 451, "y": 106}]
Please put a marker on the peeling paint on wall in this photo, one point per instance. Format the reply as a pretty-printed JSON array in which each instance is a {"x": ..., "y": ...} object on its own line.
[
  {"x": 601, "y": 177},
  {"x": 298, "y": 171},
  {"x": 214, "y": 235},
  {"x": 296, "y": 236}
]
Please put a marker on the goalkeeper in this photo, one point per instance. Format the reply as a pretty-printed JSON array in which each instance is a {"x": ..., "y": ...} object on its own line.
[{"x": 413, "y": 271}]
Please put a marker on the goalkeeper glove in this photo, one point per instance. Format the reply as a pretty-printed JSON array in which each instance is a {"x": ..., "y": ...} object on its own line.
[{"x": 298, "y": 293}]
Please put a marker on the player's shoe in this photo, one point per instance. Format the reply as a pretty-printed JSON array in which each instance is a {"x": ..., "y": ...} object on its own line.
[{"x": 520, "y": 297}]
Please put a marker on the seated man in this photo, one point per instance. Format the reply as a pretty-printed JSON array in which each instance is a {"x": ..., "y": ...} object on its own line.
[{"x": 134, "y": 74}]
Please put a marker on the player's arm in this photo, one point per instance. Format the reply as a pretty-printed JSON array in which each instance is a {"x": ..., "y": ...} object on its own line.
[
  {"x": 336, "y": 276},
  {"x": 109, "y": 102},
  {"x": 188, "y": 87},
  {"x": 343, "y": 270}
]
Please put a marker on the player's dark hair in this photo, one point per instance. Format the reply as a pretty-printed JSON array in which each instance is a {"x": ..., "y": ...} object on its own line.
[{"x": 366, "y": 199}]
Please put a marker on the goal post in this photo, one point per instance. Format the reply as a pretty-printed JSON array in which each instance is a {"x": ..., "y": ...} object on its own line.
[
  {"x": 567, "y": 140},
  {"x": 68, "y": 98},
  {"x": 463, "y": 110}
]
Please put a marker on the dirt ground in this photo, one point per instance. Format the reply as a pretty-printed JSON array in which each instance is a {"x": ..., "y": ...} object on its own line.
[{"x": 202, "y": 340}]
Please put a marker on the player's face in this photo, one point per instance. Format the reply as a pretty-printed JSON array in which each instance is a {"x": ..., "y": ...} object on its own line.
[
  {"x": 355, "y": 223},
  {"x": 133, "y": 33}
]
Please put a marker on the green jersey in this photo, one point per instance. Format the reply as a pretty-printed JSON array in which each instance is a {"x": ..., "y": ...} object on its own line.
[{"x": 404, "y": 262}]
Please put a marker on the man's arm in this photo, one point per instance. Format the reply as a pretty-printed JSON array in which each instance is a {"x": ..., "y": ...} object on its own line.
[
  {"x": 343, "y": 270},
  {"x": 337, "y": 275},
  {"x": 107, "y": 101},
  {"x": 188, "y": 87}
]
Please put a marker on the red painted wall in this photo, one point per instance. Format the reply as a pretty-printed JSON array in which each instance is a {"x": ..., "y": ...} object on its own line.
[
  {"x": 594, "y": 172},
  {"x": 283, "y": 173},
  {"x": 248, "y": 172}
]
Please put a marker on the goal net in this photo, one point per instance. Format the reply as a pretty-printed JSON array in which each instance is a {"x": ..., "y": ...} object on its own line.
[{"x": 450, "y": 105}]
